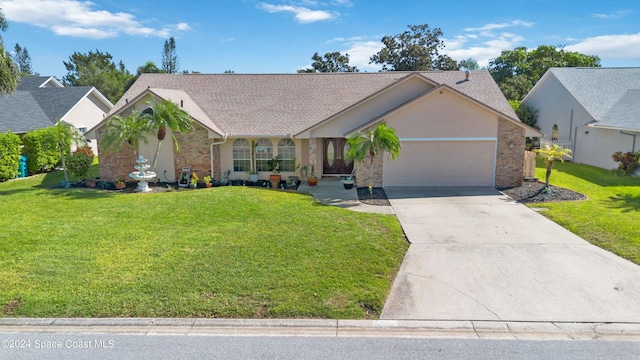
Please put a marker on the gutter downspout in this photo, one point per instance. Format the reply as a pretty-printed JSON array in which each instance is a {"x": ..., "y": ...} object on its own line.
[
  {"x": 633, "y": 147},
  {"x": 224, "y": 140}
]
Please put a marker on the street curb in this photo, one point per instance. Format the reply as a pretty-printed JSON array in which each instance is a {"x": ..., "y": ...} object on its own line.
[{"x": 329, "y": 328}]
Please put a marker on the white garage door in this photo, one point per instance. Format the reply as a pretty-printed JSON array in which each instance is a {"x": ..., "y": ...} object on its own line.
[{"x": 442, "y": 163}]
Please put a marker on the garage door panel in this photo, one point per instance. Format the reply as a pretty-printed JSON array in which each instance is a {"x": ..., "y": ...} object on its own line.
[{"x": 442, "y": 163}]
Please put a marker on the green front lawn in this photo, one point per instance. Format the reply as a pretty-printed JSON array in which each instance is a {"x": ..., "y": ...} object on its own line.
[
  {"x": 233, "y": 252},
  {"x": 610, "y": 218}
]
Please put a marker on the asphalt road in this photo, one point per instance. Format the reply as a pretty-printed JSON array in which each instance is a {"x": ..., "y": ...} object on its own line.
[{"x": 140, "y": 347}]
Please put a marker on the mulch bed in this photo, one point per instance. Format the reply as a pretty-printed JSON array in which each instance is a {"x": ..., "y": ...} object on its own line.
[
  {"x": 535, "y": 192},
  {"x": 378, "y": 198},
  {"x": 529, "y": 192}
]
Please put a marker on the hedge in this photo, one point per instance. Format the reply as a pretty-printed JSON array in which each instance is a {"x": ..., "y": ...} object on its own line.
[
  {"x": 41, "y": 150},
  {"x": 9, "y": 155}
]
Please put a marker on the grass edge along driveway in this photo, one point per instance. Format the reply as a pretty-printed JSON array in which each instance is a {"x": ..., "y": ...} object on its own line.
[
  {"x": 610, "y": 216},
  {"x": 232, "y": 252}
]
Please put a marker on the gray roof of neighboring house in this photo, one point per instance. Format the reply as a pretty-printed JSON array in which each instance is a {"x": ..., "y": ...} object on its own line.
[
  {"x": 56, "y": 102},
  {"x": 610, "y": 94},
  {"x": 33, "y": 107},
  {"x": 20, "y": 112},
  {"x": 280, "y": 104},
  {"x": 32, "y": 82}
]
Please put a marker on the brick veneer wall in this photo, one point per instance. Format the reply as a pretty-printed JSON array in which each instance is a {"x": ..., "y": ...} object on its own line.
[
  {"x": 114, "y": 165},
  {"x": 194, "y": 153},
  {"x": 510, "y": 160}
]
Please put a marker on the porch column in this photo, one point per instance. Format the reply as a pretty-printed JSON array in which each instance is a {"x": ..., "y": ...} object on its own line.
[{"x": 312, "y": 154}]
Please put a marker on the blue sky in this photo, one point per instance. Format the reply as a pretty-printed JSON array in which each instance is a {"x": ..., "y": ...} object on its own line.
[{"x": 280, "y": 36}]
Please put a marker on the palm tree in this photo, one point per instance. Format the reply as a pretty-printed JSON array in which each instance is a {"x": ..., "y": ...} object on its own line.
[
  {"x": 550, "y": 154},
  {"x": 371, "y": 143},
  {"x": 166, "y": 114},
  {"x": 131, "y": 129},
  {"x": 65, "y": 134},
  {"x": 9, "y": 72}
]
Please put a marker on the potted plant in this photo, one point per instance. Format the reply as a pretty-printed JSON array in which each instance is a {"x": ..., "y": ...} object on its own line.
[
  {"x": 120, "y": 184},
  {"x": 207, "y": 181},
  {"x": 348, "y": 181},
  {"x": 225, "y": 176},
  {"x": 274, "y": 178},
  {"x": 313, "y": 180},
  {"x": 304, "y": 170},
  {"x": 194, "y": 180}
]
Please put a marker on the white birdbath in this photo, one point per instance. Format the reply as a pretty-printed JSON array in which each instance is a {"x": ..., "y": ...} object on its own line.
[{"x": 142, "y": 175}]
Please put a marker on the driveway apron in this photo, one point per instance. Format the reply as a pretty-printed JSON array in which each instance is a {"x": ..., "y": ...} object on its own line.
[{"x": 475, "y": 254}]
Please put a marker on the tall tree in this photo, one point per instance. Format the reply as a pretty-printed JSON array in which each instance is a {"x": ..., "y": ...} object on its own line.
[
  {"x": 23, "y": 60},
  {"x": 469, "y": 64},
  {"x": 366, "y": 145},
  {"x": 148, "y": 68},
  {"x": 331, "y": 62},
  {"x": 166, "y": 114},
  {"x": 170, "y": 62},
  {"x": 97, "y": 69},
  {"x": 416, "y": 49},
  {"x": 517, "y": 71},
  {"x": 9, "y": 72}
]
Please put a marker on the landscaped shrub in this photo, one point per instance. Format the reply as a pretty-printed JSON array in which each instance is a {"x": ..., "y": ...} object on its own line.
[
  {"x": 41, "y": 150},
  {"x": 9, "y": 155},
  {"x": 80, "y": 161},
  {"x": 628, "y": 161}
]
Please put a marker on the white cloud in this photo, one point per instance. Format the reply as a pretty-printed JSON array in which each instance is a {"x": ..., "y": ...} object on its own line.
[
  {"x": 614, "y": 15},
  {"x": 302, "y": 14},
  {"x": 482, "y": 51},
  {"x": 80, "y": 19},
  {"x": 360, "y": 52},
  {"x": 624, "y": 46},
  {"x": 489, "y": 27}
]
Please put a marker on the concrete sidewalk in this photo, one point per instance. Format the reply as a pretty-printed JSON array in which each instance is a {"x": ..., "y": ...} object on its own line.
[
  {"x": 477, "y": 255},
  {"x": 330, "y": 191},
  {"x": 327, "y": 328}
]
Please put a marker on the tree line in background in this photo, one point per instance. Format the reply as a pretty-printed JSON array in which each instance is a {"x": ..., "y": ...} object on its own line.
[{"x": 417, "y": 49}]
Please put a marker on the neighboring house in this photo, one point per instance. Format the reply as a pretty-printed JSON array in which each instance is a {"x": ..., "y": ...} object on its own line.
[
  {"x": 593, "y": 111},
  {"x": 41, "y": 101},
  {"x": 454, "y": 131}
]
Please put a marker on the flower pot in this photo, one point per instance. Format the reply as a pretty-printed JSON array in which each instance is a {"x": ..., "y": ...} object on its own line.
[
  {"x": 90, "y": 183},
  {"x": 194, "y": 185},
  {"x": 274, "y": 179},
  {"x": 313, "y": 181},
  {"x": 348, "y": 183},
  {"x": 253, "y": 178},
  {"x": 209, "y": 184},
  {"x": 121, "y": 185}
]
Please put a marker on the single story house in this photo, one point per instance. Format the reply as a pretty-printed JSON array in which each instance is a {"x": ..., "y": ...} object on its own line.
[
  {"x": 593, "y": 111},
  {"x": 456, "y": 129},
  {"x": 41, "y": 101}
]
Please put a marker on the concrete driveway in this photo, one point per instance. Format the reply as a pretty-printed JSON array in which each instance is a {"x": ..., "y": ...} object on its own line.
[{"x": 475, "y": 254}]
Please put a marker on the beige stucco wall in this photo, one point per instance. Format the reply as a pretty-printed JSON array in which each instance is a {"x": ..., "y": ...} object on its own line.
[
  {"x": 370, "y": 109},
  {"x": 597, "y": 147},
  {"x": 87, "y": 113},
  {"x": 443, "y": 114}
]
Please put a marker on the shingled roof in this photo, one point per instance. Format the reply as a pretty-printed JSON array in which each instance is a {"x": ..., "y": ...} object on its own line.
[
  {"x": 280, "y": 104},
  {"x": 20, "y": 112},
  {"x": 33, "y": 107},
  {"x": 610, "y": 95}
]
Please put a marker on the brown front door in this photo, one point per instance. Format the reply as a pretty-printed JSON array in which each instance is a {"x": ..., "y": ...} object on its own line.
[{"x": 335, "y": 162}]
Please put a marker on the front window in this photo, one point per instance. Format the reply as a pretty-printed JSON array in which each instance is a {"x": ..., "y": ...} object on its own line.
[
  {"x": 241, "y": 155},
  {"x": 287, "y": 155},
  {"x": 264, "y": 153}
]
